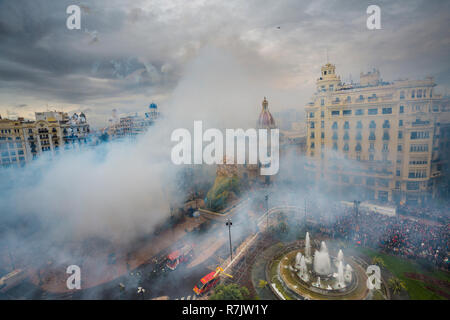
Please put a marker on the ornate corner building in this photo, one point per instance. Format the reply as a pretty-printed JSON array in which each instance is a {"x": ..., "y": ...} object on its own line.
[
  {"x": 376, "y": 140},
  {"x": 22, "y": 140}
]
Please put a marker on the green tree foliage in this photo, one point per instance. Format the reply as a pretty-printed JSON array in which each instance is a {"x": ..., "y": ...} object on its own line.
[
  {"x": 229, "y": 292},
  {"x": 378, "y": 261},
  {"x": 396, "y": 285}
]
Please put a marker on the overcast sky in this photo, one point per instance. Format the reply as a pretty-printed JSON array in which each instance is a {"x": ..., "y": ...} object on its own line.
[{"x": 129, "y": 53}]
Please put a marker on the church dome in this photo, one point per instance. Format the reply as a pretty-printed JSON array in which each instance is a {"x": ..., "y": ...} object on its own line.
[{"x": 265, "y": 117}]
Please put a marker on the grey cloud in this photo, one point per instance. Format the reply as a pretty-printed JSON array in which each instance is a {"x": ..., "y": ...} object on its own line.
[{"x": 143, "y": 47}]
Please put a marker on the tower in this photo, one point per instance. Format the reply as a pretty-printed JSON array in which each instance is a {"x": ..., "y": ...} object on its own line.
[
  {"x": 328, "y": 80},
  {"x": 265, "y": 120}
]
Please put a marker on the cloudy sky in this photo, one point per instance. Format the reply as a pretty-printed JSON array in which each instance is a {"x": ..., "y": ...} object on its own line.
[{"x": 129, "y": 53}]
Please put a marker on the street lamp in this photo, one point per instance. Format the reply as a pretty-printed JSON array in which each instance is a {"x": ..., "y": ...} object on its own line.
[
  {"x": 228, "y": 224},
  {"x": 266, "y": 198}
]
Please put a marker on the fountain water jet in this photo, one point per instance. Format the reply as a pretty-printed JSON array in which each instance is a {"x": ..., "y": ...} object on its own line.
[
  {"x": 308, "y": 248},
  {"x": 341, "y": 283},
  {"x": 322, "y": 264}
]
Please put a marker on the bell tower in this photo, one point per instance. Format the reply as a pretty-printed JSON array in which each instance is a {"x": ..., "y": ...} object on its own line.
[{"x": 328, "y": 80}]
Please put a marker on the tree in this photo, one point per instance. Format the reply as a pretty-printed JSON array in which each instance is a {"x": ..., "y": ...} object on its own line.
[
  {"x": 396, "y": 285},
  {"x": 378, "y": 261},
  {"x": 262, "y": 283},
  {"x": 229, "y": 292}
]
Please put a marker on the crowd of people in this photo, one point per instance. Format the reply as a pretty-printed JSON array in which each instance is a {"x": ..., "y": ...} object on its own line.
[
  {"x": 409, "y": 238},
  {"x": 436, "y": 212}
]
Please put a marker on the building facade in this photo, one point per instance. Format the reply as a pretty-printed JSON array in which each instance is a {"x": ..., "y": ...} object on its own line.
[
  {"x": 22, "y": 141},
  {"x": 376, "y": 140},
  {"x": 133, "y": 125}
]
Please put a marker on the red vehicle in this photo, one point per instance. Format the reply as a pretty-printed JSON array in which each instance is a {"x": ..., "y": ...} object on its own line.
[
  {"x": 209, "y": 281},
  {"x": 179, "y": 256}
]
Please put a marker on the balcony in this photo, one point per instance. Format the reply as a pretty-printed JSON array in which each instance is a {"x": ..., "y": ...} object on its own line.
[{"x": 419, "y": 123}]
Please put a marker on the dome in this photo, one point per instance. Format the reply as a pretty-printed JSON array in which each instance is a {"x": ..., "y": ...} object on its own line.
[
  {"x": 153, "y": 106},
  {"x": 265, "y": 117}
]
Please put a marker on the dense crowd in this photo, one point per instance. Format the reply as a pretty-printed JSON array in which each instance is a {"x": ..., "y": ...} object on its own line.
[
  {"x": 409, "y": 238},
  {"x": 437, "y": 212}
]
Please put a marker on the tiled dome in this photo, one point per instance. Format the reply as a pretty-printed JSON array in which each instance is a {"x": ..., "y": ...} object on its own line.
[{"x": 265, "y": 117}]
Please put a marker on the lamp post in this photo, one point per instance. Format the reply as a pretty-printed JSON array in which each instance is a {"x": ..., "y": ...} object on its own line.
[
  {"x": 228, "y": 224},
  {"x": 266, "y": 198}
]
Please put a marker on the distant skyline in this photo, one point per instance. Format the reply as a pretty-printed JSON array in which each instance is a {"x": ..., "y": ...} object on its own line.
[{"x": 128, "y": 54}]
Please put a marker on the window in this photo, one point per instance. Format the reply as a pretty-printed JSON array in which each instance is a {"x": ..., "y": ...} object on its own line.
[
  {"x": 419, "y": 93},
  {"x": 398, "y": 173},
  {"x": 311, "y": 114},
  {"x": 322, "y": 102},
  {"x": 419, "y": 148},
  {"x": 386, "y": 136},
  {"x": 311, "y": 125},
  {"x": 385, "y": 147},
  {"x": 312, "y": 145},
  {"x": 400, "y": 134},
  {"x": 412, "y": 185},
  {"x": 335, "y": 136},
  {"x": 335, "y": 147},
  {"x": 346, "y": 136},
  {"x": 349, "y": 99},
  {"x": 322, "y": 124},
  {"x": 347, "y": 112},
  {"x": 371, "y": 157},
  {"x": 361, "y": 97},
  {"x": 335, "y": 125},
  {"x": 420, "y": 135},
  {"x": 400, "y": 123},
  {"x": 359, "y": 112},
  {"x": 413, "y": 94},
  {"x": 322, "y": 135},
  {"x": 322, "y": 114},
  {"x": 402, "y": 94},
  {"x": 372, "y": 112},
  {"x": 358, "y": 136},
  {"x": 372, "y": 135},
  {"x": 417, "y": 174},
  {"x": 372, "y": 125},
  {"x": 400, "y": 148},
  {"x": 331, "y": 87},
  {"x": 346, "y": 147},
  {"x": 358, "y": 147},
  {"x": 346, "y": 125},
  {"x": 312, "y": 135},
  {"x": 359, "y": 125},
  {"x": 387, "y": 110},
  {"x": 335, "y": 113},
  {"x": 386, "y": 124},
  {"x": 402, "y": 109}
]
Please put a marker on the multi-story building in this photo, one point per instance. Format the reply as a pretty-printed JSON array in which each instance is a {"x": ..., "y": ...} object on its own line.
[
  {"x": 22, "y": 140},
  {"x": 130, "y": 126},
  {"x": 376, "y": 140}
]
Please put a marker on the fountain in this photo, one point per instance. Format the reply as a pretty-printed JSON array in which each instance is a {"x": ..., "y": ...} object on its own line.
[
  {"x": 322, "y": 265},
  {"x": 298, "y": 257},
  {"x": 303, "y": 272},
  {"x": 348, "y": 273},
  {"x": 340, "y": 257},
  {"x": 320, "y": 275},
  {"x": 308, "y": 248},
  {"x": 340, "y": 282}
]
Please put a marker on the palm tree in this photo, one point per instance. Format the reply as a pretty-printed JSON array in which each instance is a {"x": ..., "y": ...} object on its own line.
[
  {"x": 396, "y": 285},
  {"x": 378, "y": 261}
]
